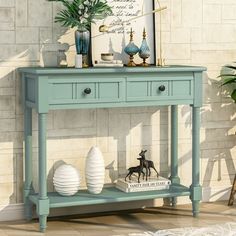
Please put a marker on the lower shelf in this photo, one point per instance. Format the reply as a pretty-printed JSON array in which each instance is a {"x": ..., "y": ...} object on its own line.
[{"x": 110, "y": 195}]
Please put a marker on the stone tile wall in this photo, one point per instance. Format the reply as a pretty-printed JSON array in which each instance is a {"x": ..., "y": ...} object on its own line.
[{"x": 195, "y": 32}]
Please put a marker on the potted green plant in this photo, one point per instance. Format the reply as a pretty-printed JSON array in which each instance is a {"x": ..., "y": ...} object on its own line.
[
  {"x": 229, "y": 78},
  {"x": 81, "y": 14}
]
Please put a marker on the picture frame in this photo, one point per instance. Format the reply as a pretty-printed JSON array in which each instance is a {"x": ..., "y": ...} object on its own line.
[{"x": 118, "y": 35}]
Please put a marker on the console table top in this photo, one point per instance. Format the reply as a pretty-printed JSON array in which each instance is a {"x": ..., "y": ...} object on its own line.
[{"x": 58, "y": 70}]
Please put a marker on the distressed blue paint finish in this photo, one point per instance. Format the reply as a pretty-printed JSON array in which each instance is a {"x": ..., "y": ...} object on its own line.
[
  {"x": 28, "y": 162},
  {"x": 196, "y": 190},
  {"x": 28, "y": 154},
  {"x": 43, "y": 204},
  {"x": 64, "y": 88},
  {"x": 174, "y": 149},
  {"x": 47, "y": 89},
  {"x": 110, "y": 195},
  {"x": 124, "y": 70}
]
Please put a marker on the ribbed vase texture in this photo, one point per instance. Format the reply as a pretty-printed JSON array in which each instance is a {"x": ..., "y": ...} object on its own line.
[
  {"x": 66, "y": 180},
  {"x": 95, "y": 171}
]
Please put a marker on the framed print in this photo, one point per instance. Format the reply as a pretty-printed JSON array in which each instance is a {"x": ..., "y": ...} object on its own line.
[{"x": 125, "y": 16}]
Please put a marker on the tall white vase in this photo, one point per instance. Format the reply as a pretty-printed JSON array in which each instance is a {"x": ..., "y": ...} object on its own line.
[{"x": 95, "y": 171}]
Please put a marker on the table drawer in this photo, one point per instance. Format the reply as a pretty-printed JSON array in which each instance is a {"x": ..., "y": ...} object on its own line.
[
  {"x": 182, "y": 88},
  {"x": 159, "y": 89},
  {"x": 147, "y": 90},
  {"x": 87, "y": 91}
]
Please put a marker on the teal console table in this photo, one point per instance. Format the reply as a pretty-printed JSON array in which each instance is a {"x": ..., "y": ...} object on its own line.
[{"x": 47, "y": 89}]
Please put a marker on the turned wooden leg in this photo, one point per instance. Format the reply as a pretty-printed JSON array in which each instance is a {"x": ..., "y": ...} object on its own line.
[
  {"x": 28, "y": 162},
  {"x": 196, "y": 190},
  {"x": 43, "y": 202},
  {"x": 174, "y": 150}
]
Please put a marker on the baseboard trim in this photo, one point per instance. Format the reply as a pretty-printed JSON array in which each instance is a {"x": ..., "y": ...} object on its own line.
[
  {"x": 16, "y": 211},
  {"x": 12, "y": 212},
  {"x": 212, "y": 194}
]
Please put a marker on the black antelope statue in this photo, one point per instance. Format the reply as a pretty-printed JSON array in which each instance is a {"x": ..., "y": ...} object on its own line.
[
  {"x": 143, "y": 163},
  {"x": 136, "y": 169},
  {"x": 147, "y": 164}
]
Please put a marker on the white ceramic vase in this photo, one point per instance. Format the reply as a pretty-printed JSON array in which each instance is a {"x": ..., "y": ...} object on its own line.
[
  {"x": 66, "y": 180},
  {"x": 94, "y": 171}
]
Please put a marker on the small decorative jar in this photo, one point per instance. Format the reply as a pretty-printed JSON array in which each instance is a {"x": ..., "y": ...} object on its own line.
[{"x": 61, "y": 58}]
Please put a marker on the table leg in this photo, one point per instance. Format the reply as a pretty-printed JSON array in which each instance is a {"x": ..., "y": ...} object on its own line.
[
  {"x": 43, "y": 202},
  {"x": 174, "y": 149},
  {"x": 196, "y": 190},
  {"x": 28, "y": 162}
]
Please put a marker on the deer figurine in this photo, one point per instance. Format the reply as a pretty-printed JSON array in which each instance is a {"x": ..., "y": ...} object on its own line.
[
  {"x": 147, "y": 164},
  {"x": 136, "y": 169}
]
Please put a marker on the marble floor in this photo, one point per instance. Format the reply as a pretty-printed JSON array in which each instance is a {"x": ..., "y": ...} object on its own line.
[{"x": 124, "y": 223}]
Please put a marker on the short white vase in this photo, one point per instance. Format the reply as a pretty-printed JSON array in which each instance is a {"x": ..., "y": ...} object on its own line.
[
  {"x": 66, "y": 180},
  {"x": 94, "y": 171}
]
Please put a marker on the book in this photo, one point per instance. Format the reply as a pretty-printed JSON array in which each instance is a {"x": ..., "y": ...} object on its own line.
[
  {"x": 132, "y": 190},
  {"x": 152, "y": 184},
  {"x": 108, "y": 65},
  {"x": 109, "y": 62},
  {"x": 113, "y": 63}
]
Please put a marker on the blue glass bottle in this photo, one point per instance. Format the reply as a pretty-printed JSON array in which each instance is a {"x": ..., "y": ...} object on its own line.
[
  {"x": 131, "y": 49},
  {"x": 144, "y": 51}
]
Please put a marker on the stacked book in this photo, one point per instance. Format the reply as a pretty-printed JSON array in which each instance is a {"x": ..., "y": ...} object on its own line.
[
  {"x": 113, "y": 63},
  {"x": 151, "y": 184}
]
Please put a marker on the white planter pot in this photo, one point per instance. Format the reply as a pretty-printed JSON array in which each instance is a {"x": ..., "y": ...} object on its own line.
[
  {"x": 95, "y": 171},
  {"x": 66, "y": 180}
]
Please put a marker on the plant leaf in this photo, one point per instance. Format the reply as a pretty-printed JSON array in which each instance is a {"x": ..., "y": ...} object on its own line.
[
  {"x": 229, "y": 81},
  {"x": 70, "y": 16},
  {"x": 233, "y": 95},
  {"x": 223, "y": 75},
  {"x": 231, "y": 67}
]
